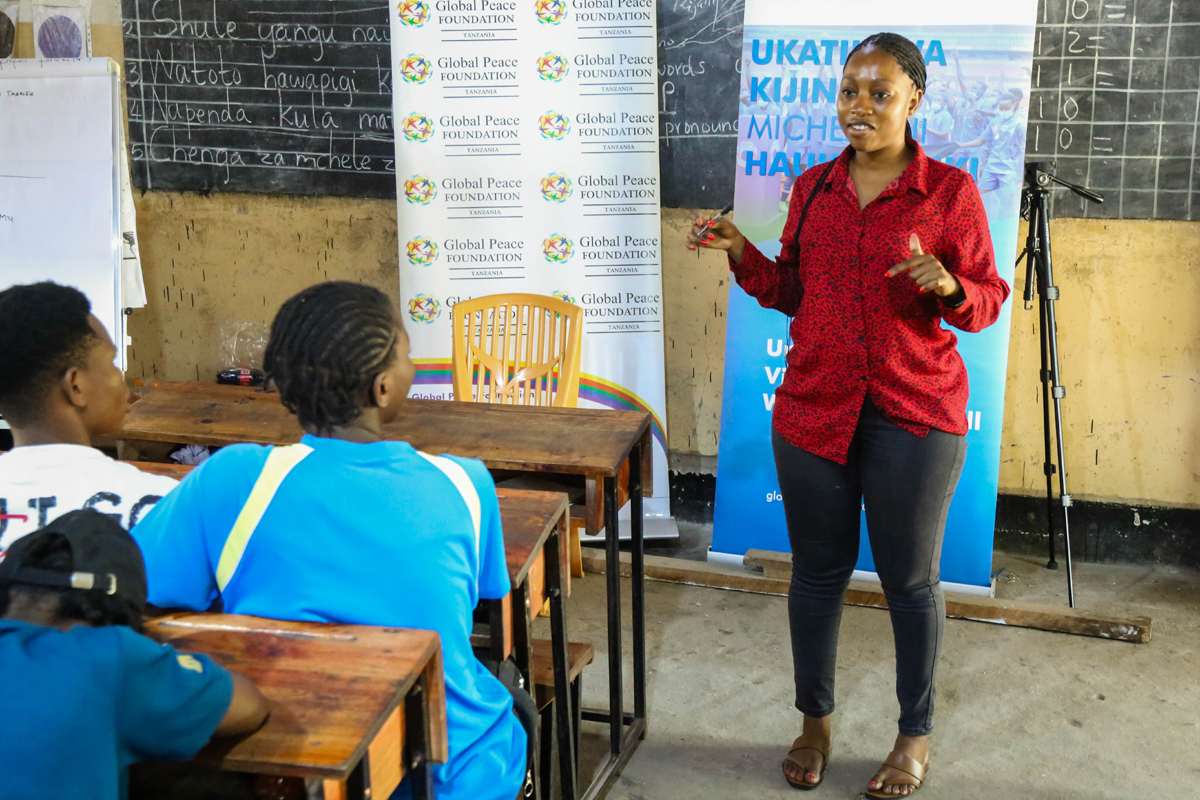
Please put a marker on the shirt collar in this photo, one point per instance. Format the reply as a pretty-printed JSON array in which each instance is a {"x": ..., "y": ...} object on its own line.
[
  {"x": 358, "y": 452},
  {"x": 914, "y": 177}
]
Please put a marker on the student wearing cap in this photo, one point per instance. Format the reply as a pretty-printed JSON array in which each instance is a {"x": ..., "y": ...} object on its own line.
[
  {"x": 349, "y": 527},
  {"x": 59, "y": 388},
  {"x": 85, "y": 694}
]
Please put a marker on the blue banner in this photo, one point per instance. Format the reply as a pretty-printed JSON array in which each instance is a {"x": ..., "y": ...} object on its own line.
[{"x": 788, "y": 122}]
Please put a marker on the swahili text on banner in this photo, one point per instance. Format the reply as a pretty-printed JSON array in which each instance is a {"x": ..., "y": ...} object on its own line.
[
  {"x": 527, "y": 161},
  {"x": 976, "y": 55}
]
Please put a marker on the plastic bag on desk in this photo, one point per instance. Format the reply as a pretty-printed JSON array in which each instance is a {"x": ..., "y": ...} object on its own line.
[
  {"x": 242, "y": 345},
  {"x": 191, "y": 455}
]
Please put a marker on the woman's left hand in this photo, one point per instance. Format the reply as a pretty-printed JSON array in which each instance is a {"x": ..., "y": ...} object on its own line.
[{"x": 926, "y": 271}]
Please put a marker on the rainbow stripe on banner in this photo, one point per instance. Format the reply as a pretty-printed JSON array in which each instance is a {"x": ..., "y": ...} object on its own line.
[
  {"x": 438, "y": 372},
  {"x": 433, "y": 372}
]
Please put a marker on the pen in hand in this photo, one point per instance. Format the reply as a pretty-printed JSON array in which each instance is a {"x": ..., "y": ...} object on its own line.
[{"x": 719, "y": 215}]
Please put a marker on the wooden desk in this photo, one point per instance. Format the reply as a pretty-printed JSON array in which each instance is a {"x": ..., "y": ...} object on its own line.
[
  {"x": 356, "y": 706},
  {"x": 575, "y": 441},
  {"x": 589, "y": 442}
]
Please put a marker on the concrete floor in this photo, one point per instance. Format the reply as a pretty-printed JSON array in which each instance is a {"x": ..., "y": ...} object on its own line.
[{"x": 1020, "y": 713}]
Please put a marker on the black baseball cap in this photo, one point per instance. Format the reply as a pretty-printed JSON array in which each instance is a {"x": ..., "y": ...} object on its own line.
[{"x": 104, "y": 557}]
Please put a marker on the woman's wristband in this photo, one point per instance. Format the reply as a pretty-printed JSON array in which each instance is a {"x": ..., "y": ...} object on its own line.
[{"x": 954, "y": 299}]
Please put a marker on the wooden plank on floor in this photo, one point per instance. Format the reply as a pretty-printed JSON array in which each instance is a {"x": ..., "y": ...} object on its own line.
[
  {"x": 1015, "y": 613},
  {"x": 773, "y": 564}
]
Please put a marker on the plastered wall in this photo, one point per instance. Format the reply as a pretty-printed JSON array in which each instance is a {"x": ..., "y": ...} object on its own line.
[
  {"x": 1129, "y": 336},
  {"x": 208, "y": 260}
]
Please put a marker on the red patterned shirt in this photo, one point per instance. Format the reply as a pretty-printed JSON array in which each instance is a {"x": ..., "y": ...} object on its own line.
[{"x": 858, "y": 333}]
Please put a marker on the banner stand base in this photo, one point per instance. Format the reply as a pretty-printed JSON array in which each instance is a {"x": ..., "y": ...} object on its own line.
[
  {"x": 657, "y": 522},
  {"x": 733, "y": 559}
]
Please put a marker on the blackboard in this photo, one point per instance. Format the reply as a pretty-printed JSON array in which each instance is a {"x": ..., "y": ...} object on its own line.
[
  {"x": 1114, "y": 104},
  {"x": 699, "y": 69},
  {"x": 287, "y": 97}
]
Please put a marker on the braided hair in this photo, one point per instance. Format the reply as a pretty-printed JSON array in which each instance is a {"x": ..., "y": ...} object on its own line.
[
  {"x": 898, "y": 47},
  {"x": 327, "y": 345},
  {"x": 44, "y": 331},
  {"x": 89, "y": 606}
]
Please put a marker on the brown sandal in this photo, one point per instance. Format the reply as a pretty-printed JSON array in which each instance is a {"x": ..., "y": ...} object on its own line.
[
  {"x": 802, "y": 744},
  {"x": 914, "y": 775}
]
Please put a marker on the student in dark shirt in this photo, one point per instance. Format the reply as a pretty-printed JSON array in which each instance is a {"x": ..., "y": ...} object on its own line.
[{"x": 86, "y": 694}]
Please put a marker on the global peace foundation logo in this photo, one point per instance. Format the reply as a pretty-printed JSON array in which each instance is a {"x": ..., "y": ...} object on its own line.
[
  {"x": 556, "y": 187},
  {"x": 561, "y": 295},
  {"x": 415, "y": 68},
  {"x": 414, "y": 13},
  {"x": 551, "y": 12},
  {"x": 558, "y": 249},
  {"x": 422, "y": 251},
  {"x": 418, "y": 127},
  {"x": 554, "y": 125},
  {"x": 424, "y": 308},
  {"x": 420, "y": 189},
  {"x": 553, "y": 67}
]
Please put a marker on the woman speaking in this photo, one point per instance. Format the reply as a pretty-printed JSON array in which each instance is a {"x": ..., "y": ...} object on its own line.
[{"x": 880, "y": 246}]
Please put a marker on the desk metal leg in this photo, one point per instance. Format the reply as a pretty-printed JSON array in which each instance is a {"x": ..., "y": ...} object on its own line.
[
  {"x": 358, "y": 785},
  {"x": 563, "y": 700},
  {"x": 624, "y": 740},
  {"x": 523, "y": 656},
  {"x": 638, "y": 581},
  {"x": 416, "y": 740},
  {"x": 612, "y": 575},
  {"x": 496, "y": 625}
]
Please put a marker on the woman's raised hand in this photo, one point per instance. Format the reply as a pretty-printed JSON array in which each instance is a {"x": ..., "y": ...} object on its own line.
[
  {"x": 717, "y": 234},
  {"x": 926, "y": 271}
]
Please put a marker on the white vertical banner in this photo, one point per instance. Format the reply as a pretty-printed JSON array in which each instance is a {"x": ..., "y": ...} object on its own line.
[{"x": 527, "y": 161}]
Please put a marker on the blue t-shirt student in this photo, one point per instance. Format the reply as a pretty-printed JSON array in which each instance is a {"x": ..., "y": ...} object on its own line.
[
  {"x": 374, "y": 534},
  {"x": 81, "y": 705}
]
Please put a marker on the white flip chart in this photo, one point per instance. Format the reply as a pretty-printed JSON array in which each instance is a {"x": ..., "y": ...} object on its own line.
[{"x": 60, "y": 187}]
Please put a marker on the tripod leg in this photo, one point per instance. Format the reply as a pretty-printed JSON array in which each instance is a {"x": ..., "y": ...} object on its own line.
[
  {"x": 1057, "y": 392},
  {"x": 1035, "y": 272},
  {"x": 1048, "y": 461}
]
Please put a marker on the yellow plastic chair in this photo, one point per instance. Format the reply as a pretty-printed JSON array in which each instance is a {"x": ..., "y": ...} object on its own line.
[{"x": 519, "y": 349}]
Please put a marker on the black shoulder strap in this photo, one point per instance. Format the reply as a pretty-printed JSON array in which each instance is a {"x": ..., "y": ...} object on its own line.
[{"x": 811, "y": 196}]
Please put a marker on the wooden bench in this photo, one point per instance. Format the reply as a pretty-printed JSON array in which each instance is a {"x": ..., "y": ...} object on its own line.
[{"x": 579, "y": 655}]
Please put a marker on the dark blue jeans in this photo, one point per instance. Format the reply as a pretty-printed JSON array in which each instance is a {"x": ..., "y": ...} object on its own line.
[{"x": 906, "y": 483}]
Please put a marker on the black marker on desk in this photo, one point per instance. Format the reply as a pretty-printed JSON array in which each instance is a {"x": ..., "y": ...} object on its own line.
[{"x": 719, "y": 215}]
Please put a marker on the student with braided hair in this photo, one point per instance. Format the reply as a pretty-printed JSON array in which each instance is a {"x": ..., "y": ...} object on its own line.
[
  {"x": 347, "y": 527},
  {"x": 881, "y": 246}
]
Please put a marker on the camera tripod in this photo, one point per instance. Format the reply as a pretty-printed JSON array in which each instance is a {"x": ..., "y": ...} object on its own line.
[{"x": 1038, "y": 183}]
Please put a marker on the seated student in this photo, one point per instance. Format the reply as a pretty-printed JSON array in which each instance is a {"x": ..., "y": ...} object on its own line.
[
  {"x": 85, "y": 695},
  {"x": 346, "y": 527},
  {"x": 58, "y": 388}
]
